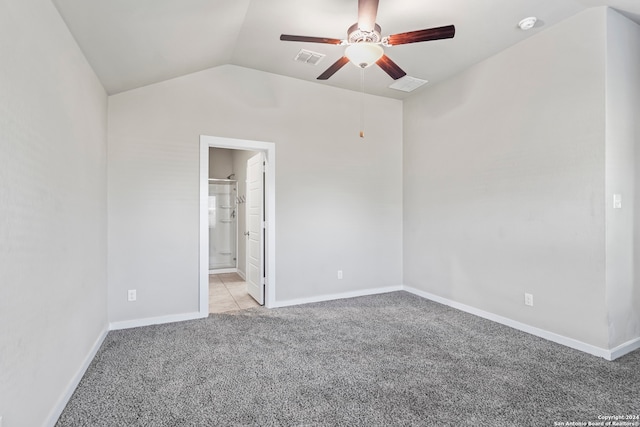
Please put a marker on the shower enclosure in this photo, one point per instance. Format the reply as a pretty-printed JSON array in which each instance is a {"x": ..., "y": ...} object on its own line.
[{"x": 223, "y": 225}]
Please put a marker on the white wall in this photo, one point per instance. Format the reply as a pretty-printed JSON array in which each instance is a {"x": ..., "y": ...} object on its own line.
[
  {"x": 220, "y": 163},
  {"x": 53, "y": 295},
  {"x": 504, "y": 183},
  {"x": 338, "y": 197},
  {"x": 623, "y": 112}
]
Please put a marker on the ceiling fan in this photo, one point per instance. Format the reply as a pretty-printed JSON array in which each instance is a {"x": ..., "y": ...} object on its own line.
[{"x": 365, "y": 43}]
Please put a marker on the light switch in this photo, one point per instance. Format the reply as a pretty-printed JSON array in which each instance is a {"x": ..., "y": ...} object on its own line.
[{"x": 617, "y": 201}]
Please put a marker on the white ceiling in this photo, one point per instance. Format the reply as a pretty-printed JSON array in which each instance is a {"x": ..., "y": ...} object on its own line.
[{"x": 135, "y": 43}]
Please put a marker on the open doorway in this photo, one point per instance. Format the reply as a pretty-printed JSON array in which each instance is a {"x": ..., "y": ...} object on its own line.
[
  {"x": 235, "y": 251},
  {"x": 227, "y": 210},
  {"x": 236, "y": 235}
]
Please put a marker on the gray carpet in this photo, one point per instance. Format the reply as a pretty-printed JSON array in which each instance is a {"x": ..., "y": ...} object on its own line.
[{"x": 383, "y": 360}]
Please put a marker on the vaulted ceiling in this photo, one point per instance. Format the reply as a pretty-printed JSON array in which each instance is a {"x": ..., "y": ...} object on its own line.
[{"x": 131, "y": 44}]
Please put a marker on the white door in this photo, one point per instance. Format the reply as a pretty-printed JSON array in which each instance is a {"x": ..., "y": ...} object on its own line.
[{"x": 255, "y": 227}]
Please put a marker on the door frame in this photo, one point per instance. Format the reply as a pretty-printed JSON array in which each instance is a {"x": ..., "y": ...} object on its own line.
[{"x": 269, "y": 150}]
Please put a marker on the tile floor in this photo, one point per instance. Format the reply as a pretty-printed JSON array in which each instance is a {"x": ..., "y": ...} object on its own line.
[{"x": 228, "y": 292}]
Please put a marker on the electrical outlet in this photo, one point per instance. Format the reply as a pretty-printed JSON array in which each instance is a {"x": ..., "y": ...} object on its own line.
[
  {"x": 339, "y": 274},
  {"x": 528, "y": 299},
  {"x": 131, "y": 295}
]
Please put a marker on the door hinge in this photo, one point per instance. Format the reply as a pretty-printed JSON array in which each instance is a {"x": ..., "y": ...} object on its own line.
[{"x": 264, "y": 224}]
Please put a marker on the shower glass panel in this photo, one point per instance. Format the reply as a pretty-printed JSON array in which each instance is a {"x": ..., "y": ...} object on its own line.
[{"x": 222, "y": 224}]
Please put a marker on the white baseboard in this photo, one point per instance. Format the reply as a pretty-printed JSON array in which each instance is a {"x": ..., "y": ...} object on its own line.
[
  {"x": 223, "y": 270},
  {"x": 551, "y": 336},
  {"x": 320, "y": 298},
  {"x": 241, "y": 274},
  {"x": 625, "y": 348},
  {"x": 55, "y": 413},
  {"x": 127, "y": 324}
]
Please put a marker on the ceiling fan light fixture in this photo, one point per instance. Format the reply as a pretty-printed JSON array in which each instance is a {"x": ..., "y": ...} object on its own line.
[
  {"x": 365, "y": 42},
  {"x": 364, "y": 55}
]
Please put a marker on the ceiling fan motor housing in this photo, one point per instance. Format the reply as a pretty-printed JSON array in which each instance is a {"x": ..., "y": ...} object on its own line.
[{"x": 356, "y": 35}]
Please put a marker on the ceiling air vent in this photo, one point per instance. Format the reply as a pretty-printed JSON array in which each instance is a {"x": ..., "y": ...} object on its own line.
[
  {"x": 407, "y": 84},
  {"x": 308, "y": 57}
]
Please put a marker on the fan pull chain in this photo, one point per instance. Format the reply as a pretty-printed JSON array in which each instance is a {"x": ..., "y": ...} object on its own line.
[{"x": 362, "y": 102}]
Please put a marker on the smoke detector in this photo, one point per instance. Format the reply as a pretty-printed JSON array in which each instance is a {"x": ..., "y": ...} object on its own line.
[{"x": 527, "y": 23}]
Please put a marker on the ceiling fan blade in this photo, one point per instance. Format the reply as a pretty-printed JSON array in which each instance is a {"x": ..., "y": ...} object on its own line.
[
  {"x": 367, "y": 12},
  {"x": 390, "y": 67},
  {"x": 333, "y": 68},
  {"x": 290, "y": 38},
  {"x": 438, "y": 33}
]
